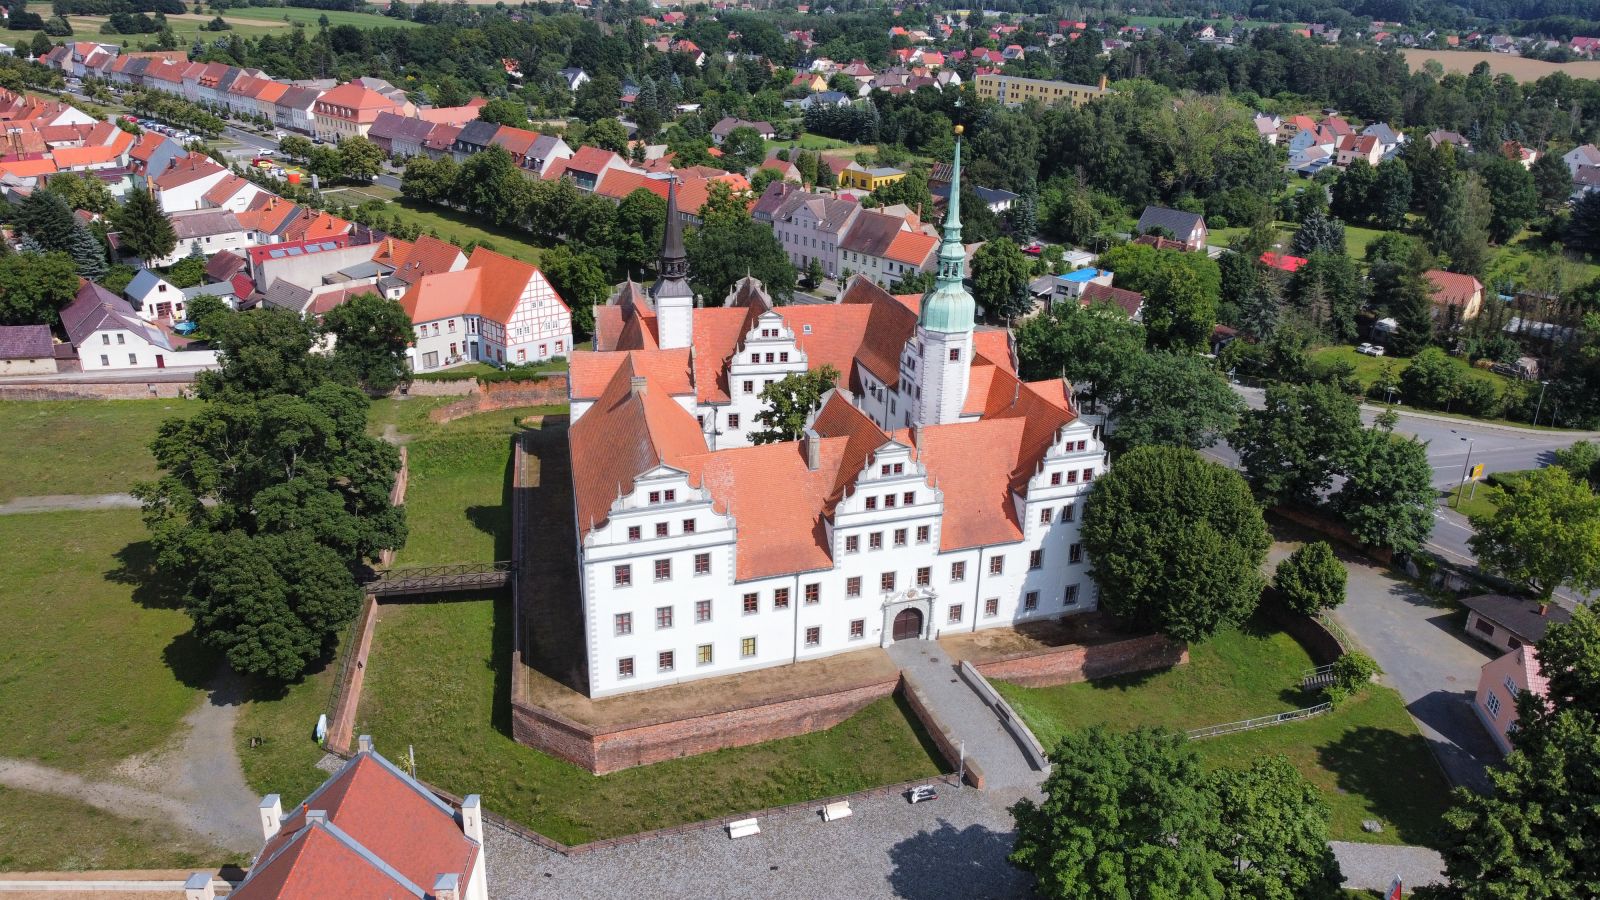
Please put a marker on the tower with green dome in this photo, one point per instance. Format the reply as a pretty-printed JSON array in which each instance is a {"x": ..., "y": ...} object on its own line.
[{"x": 946, "y": 320}]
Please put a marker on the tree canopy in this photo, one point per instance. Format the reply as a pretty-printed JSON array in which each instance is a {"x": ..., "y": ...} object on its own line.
[
  {"x": 1545, "y": 533},
  {"x": 1172, "y": 399},
  {"x": 1311, "y": 579},
  {"x": 787, "y": 403},
  {"x": 1175, "y": 543},
  {"x": 371, "y": 333},
  {"x": 1291, "y": 447}
]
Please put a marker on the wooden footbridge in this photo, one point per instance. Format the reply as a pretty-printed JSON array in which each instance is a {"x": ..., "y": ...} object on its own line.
[{"x": 417, "y": 580}]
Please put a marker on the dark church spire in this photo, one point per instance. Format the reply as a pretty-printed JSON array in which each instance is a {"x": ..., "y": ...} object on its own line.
[{"x": 674, "y": 263}]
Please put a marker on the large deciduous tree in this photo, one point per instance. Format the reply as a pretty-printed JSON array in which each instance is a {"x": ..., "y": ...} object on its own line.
[
  {"x": 721, "y": 254},
  {"x": 1387, "y": 496},
  {"x": 1000, "y": 279},
  {"x": 1175, "y": 543},
  {"x": 370, "y": 334},
  {"x": 1514, "y": 198},
  {"x": 1311, "y": 579},
  {"x": 580, "y": 281},
  {"x": 787, "y": 403},
  {"x": 1290, "y": 448},
  {"x": 34, "y": 287},
  {"x": 1181, "y": 292},
  {"x": 1545, "y": 533},
  {"x": 1171, "y": 399},
  {"x": 1090, "y": 346}
]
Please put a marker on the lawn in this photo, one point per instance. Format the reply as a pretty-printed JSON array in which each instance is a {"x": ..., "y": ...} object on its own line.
[
  {"x": 438, "y": 681},
  {"x": 1368, "y": 368},
  {"x": 98, "y": 662},
  {"x": 273, "y": 736},
  {"x": 46, "y": 833},
  {"x": 312, "y": 16},
  {"x": 109, "y": 443},
  {"x": 461, "y": 229},
  {"x": 1366, "y": 756},
  {"x": 457, "y": 500}
]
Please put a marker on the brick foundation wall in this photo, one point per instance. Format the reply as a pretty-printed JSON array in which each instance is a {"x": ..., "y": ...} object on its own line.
[
  {"x": 614, "y": 748},
  {"x": 421, "y": 388},
  {"x": 948, "y": 747},
  {"x": 551, "y": 390},
  {"x": 348, "y": 697},
  {"x": 97, "y": 390},
  {"x": 1333, "y": 529},
  {"x": 1065, "y": 665}
]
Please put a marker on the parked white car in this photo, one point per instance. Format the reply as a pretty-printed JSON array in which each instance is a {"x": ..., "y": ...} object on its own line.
[{"x": 1370, "y": 349}]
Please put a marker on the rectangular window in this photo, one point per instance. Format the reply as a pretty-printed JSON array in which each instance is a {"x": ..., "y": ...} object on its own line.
[
  {"x": 924, "y": 576},
  {"x": 633, "y": 532},
  {"x": 783, "y": 357},
  {"x": 688, "y": 526},
  {"x": 872, "y": 503},
  {"x": 733, "y": 420},
  {"x": 899, "y": 468},
  {"x": 883, "y": 469},
  {"x": 886, "y": 582},
  {"x": 910, "y": 498},
  {"x": 702, "y": 655},
  {"x": 956, "y": 612},
  {"x": 991, "y": 607},
  {"x": 780, "y": 598},
  {"x": 622, "y": 575},
  {"x": 702, "y": 564},
  {"x": 997, "y": 565},
  {"x": 747, "y": 647},
  {"x": 664, "y": 661},
  {"x": 1484, "y": 627},
  {"x": 1067, "y": 513},
  {"x": 852, "y": 586},
  {"x": 655, "y": 497},
  {"x": 1055, "y": 478},
  {"x": 702, "y": 610},
  {"x": 1030, "y": 601},
  {"x": 1072, "y": 478},
  {"x": 1082, "y": 444},
  {"x": 105, "y": 360},
  {"x": 875, "y": 541},
  {"x": 663, "y": 569},
  {"x": 813, "y": 636},
  {"x": 958, "y": 571},
  {"x": 1075, "y": 553},
  {"x": 752, "y": 604},
  {"x": 1492, "y": 704},
  {"x": 1036, "y": 559},
  {"x": 663, "y": 617},
  {"x": 669, "y": 496},
  {"x": 661, "y": 529},
  {"x": 858, "y": 629},
  {"x": 1088, "y": 475},
  {"x": 133, "y": 359},
  {"x": 1511, "y": 687},
  {"x": 105, "y": 340},
  {"x": 624, "y": 623},
  {"x": 899, "y": 537},
  {"x": 852, "y": 543},
  {"x": 888, "y": 501},
  {"x": 1070, "y": 598},
  {"x": 749, "y": 387},
  {"x": 122, "y": 338},
  {"x": 813, "y": 594},
  {"x": 955, "y": 354},
  {"x": 625, "y": 667},
  {"x": 922, "y": 534},
  {"x": 769, "y": 357},
  {"x": 1045, "y": 516}
]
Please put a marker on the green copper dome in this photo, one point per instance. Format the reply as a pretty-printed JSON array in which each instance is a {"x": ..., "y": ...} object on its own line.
[{"x": 948, "y": 308}]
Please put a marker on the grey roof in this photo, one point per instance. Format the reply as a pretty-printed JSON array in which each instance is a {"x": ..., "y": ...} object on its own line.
[
  {"x": 773, "y": 200},
  {"x": 26, "y": 342},
  {"x": 1382, "y": 132},
  {"x": 368, "y": 269},
  {"x": 1180, "y": 223},
  {"x": 298, "y": 98},
  {"x": 872, "y": 233},
  {"x": 1518, "y": 616},
  {"x": 478, "y": 133},
  {"x": 288, "y": 296},
  {"x": 204, "y": 222},
  {"x": 728, "y": 123},
  {"x": 208, "y": 290},
  {"x": 224, "y": 265},
  {"x": 144, "y": 281},
  {"x": 393, "y": 126},
  {"x": 97, "y": 309},
  {"x": 543, "y": 146},
  {"x": 989, "y": 196}
]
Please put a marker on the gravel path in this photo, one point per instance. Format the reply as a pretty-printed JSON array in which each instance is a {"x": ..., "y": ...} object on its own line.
[
  {"x": 925, "y": 664},
  {"x": 67, "y": 502},
  {"x": 194, "y": 783},
  {"x": 1374, "y": 866}
]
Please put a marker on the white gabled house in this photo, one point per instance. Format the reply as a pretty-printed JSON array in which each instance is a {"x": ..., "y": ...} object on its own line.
[
  {"x": 108, "y": 335},
  {"x": 497, "y": 310}
]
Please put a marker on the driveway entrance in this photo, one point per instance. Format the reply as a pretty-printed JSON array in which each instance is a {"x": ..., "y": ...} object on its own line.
[{"x": 908, "y": 625}]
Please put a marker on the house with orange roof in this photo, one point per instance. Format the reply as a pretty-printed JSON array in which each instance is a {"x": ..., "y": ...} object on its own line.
[
  {"x": 934, "y": 491},
  {"x": 184, "y": 183},
  {"x": 1500, "y": 682},
  {"x": 885, "y": 248},
  {"x": 1456, "y": 298},
  {"x": 370, "y": 831},
  {"x": 351, "y": 108},
  {"x": 586, "y": 167},
  {"x": 268, "y": 217},
  {"x": 233, "y": 193},
  {"x": 496, "y": 310}
]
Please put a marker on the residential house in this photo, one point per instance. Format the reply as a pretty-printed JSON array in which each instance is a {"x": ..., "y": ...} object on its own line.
[
  {"x": 1579, "y": 157},
  {"x": 206, "y": 231},
  {"x": 392, "y": 131},
  {"x": 1517, "y": 153},
  {"x": 1352, "y": 147},
  {"x": 868, "y": 179},
  {"x": 586, "y": 167},
  {"x": 721, "y": 130},
  {"x": 302, "y": 262},
  {"x": 1440, "y": 136},
  {"x": 1070, "y": 287},
  {"x": 369, "y": 831},
  {"x": 411, "y": 262},
  {"x": 152, "y": 153},
  {"x": 575, "y": 78},
  {"x": 1011, "y": 90},
  {"x": 233, "y": 193},
  {"x": 154, "y": 297},
  {"x": 185, "y": 182},
  {"x": 473, "y": 138},
  {"x": 1456, "y": 298},
  {"x": 1267, "y": 127},
  {"x": 885, "y": 248},
  {"x": 1389, "y": 140},
  {"x": 351, "y": 109},
  {"x": 27, "y": 350},
  {"x": 496, "y": 310},
  {"x": 269, "y": 218},
  {"x": 1511, "y": 622},
  {"x": 1188, "y": 228},
  {"x": 1500, "y": 681},
  {"x": 108, "y": 335},
  {"x": 1130, "y": 302},
  {"x": 296, "y": 109}
]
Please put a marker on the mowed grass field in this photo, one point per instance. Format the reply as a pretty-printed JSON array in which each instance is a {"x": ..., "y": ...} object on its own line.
[
  {"x": 1369, "y": 368},
  {"x": 1366, "y": 756},
  {"x": 47, "y": 833},
  {"x": 80, "y": 446},
  {"x": 247, "y": 22},
  {"x": 458, "y": 228},
  {"x": 1500, "y": 63},
  {"x": 438, "y": 680}
]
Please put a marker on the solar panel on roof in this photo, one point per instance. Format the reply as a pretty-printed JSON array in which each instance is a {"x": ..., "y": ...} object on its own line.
[{"x": 275, "y": 254}]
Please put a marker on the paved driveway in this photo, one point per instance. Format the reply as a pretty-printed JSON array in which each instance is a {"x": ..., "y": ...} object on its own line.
[{"x": 1428, "y": 659}]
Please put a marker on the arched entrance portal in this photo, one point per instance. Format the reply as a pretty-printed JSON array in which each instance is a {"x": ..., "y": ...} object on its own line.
[{"x": 908, "y": 624}]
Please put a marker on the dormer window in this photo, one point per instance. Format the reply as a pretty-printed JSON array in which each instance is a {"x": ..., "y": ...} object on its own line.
[{"x": 806, "y": 329}]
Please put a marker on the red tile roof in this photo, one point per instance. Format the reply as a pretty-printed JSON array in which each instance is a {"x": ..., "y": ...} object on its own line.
[{"x": 1452, "y": 289}]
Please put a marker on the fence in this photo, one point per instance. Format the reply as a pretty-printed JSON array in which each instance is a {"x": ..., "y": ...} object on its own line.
[{"x": 1259, "y": 722}]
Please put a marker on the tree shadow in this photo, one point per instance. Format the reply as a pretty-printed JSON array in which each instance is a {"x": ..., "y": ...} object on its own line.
[
  {"x": 1394, "y": 773},
  {"x": 191, "y": 660},
  {"x": 136, "y": 567},
  {"x": 949, "y": 863}
]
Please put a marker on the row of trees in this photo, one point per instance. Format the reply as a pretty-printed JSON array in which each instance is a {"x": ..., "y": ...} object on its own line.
[{"x": 173, "y": 110}]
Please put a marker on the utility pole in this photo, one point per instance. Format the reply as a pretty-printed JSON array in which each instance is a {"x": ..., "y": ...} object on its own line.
[
  {"x": 1540, "y": 405},
  {"x": 1465, "y": 468}
]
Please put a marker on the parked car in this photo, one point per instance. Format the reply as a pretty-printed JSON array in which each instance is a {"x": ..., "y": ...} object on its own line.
[{"x": 1370, "y": 349}]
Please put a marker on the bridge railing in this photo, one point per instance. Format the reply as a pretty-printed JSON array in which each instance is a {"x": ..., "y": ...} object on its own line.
[{"x": 427, "y": 579}]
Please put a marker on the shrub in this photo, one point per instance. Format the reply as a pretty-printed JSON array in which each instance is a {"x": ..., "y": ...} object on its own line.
[
  {"x": 1351, "y": 672},
  {"x": 1310, "y": 579}
]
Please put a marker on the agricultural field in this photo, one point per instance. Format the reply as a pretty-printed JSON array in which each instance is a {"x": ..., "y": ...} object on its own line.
[{"x": 1500, "y": 63}]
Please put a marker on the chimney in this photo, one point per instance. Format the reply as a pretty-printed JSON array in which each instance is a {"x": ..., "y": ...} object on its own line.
[
  {"x": 636, "y": 385},
  {"x": 364, "y": 743},
  {"x": 472, "y": 818},
  {"x": 271, "y": 809},
  {"x": 1102, "y": 82},
  {"x": 447, "y": 887},
  {"x": 316, "y": 816},
  {"x": 813, "y": 443},
  {"x": 198, "y": 887}
]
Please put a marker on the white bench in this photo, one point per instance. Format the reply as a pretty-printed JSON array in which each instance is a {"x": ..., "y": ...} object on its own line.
[
  {"x": 743, "y": 828},
  {"x": 839, "y": 809}
]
